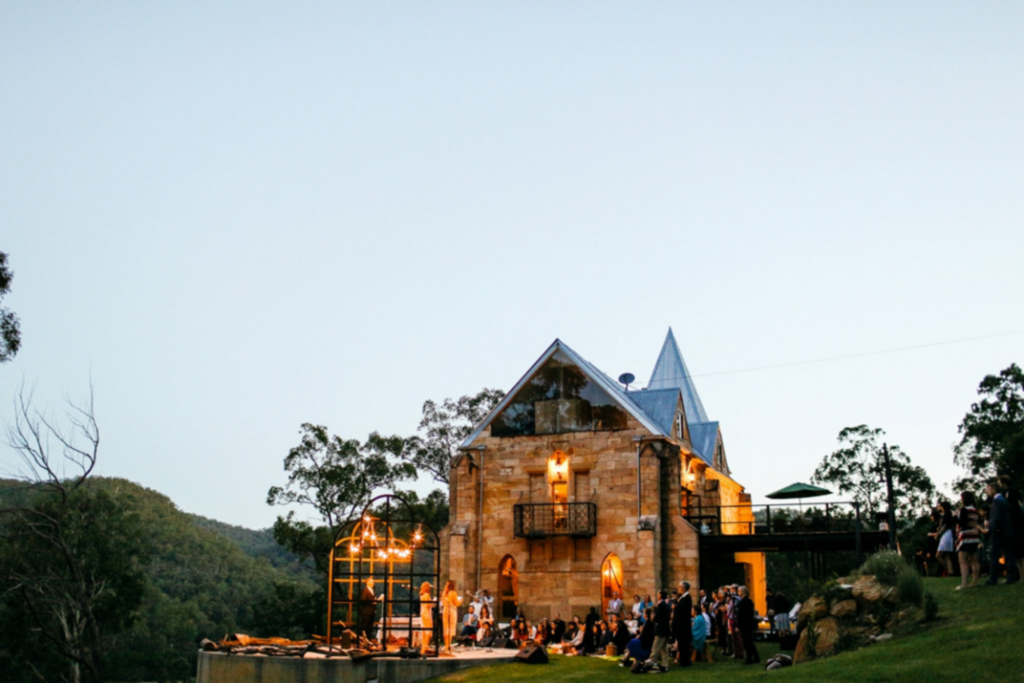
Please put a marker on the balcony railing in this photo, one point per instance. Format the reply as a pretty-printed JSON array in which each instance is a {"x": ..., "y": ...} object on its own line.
[{"x": 542, "y": 520}]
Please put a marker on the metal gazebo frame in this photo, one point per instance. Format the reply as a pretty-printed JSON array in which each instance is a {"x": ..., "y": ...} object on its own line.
[{"x": 370, "y": 547}]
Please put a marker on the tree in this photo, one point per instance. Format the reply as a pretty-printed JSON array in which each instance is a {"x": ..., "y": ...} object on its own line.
[
  {"x": 70, "y": 564},
  {"x": 444, "y": 427},
  {"x": 10, "y": 331},
  {"x": 337, "y": 478},
  {"x": 993, "y": 431},
  {"x": 858, "y": 469}
]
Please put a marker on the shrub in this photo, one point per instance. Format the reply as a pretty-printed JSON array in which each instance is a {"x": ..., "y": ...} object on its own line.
[
  {"x": 884, "y": 566},
  {"x": 931, "y": 606},
  {"x": 910, "y": 586}
]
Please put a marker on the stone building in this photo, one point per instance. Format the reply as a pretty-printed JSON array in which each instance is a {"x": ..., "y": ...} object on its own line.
[{"x": 574, "y": 487}]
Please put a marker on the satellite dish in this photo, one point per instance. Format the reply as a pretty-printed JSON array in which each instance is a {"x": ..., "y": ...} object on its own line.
[{"x": 626, "y": 378}]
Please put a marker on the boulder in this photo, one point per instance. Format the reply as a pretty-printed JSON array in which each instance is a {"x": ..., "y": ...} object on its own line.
[
  {"x": 814, "y": 608},
  {"x": 844, "y": 609},
  {"x": 827, "y": 635},
  {"x": 803, "y": 649},
  {"x": 867, "y": 589}
]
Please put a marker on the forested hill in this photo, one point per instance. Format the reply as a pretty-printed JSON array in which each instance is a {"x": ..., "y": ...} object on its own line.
[
  {"x": 259, "y": 544},
  {"x": 203, "y": 579}
]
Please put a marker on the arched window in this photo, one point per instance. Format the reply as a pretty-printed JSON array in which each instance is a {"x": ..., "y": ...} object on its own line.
[
  {"x": 611, "y": 580},
  {"x": 508, "y": 588}
]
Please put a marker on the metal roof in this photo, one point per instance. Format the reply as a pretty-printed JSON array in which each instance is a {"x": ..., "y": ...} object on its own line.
[
  {"x": 670, "y": 372},
  {"x": 659, "y": 404},
  {"x": 704, "y": 439}
]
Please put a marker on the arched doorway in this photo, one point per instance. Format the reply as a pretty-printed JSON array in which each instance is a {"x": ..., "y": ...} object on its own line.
[
  {"x": 508, "y": 588},
  {"x": 611, "y": 580}
]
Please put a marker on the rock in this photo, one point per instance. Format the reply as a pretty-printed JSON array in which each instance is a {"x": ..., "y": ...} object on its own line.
[
  {"x": 867, "y": 589},
  {"x": 881, "y": 637},
  {"x": 844, "y": 609},
  {"x": 827, "y": 635},
  {"x": 803, "y": 651},
  {"x": 814, "y": 608}
]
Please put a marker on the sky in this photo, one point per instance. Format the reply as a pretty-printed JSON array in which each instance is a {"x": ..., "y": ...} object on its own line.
[{"x": 234, "y": 218}]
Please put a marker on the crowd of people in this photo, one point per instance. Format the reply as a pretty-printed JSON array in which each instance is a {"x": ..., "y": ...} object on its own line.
[
  {"x": 651, "y": 635},
  {"x": 962, "y": 533}
]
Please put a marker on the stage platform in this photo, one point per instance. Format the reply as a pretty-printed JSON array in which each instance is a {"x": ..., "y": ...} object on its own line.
[{"x": 219, "y": 667}]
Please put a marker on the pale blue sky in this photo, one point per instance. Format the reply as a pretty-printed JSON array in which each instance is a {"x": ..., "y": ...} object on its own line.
[{"x": 243, "y": 216}]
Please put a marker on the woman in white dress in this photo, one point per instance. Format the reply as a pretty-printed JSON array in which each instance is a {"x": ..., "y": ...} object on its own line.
[
  {"x": 449, "y": 613},
  {"x": 426, "y": 617}
]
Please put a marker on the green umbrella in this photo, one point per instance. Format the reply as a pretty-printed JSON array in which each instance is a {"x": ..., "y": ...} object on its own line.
[{"x": 798, "y": 491}]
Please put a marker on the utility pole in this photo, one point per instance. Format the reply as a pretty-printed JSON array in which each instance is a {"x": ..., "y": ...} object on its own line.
[{"x": 891, "y": 515}]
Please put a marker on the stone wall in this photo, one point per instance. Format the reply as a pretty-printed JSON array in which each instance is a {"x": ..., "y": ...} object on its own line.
[{"x": 563, "y": 575}]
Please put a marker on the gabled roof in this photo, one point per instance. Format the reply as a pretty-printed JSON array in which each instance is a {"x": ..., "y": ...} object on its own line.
[
  {"x": 704, "y": 438},
  {"x": 670, "y": 372},
  {"x": 604, "y": 381}
]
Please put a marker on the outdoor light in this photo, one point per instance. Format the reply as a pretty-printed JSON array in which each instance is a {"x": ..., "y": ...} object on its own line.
[{"x": 353, "y": 548}]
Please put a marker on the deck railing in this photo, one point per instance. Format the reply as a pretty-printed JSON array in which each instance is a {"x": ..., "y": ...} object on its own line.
[{"x": 769, "y": 520}]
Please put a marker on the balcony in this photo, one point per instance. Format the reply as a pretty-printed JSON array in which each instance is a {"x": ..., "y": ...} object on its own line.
[{"x": 544, "y": 520}]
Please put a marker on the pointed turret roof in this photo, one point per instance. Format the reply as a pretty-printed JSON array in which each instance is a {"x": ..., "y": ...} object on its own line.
[{"x": 670, "y": 372}]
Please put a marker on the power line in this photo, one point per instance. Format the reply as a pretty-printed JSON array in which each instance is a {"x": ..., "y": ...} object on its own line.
[{"x": 852, "y": 355}]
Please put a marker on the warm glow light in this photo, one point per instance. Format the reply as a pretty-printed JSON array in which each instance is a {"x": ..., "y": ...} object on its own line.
[{"x": 354, "y": 548}]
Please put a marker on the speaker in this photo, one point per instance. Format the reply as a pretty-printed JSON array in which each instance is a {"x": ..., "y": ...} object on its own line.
[
  {"x": 532, "y": 654},
  {"x": 485, "y": 642}
]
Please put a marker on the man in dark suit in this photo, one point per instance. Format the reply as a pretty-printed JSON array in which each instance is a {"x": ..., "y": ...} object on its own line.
[
  {"x": 747, "y": 623},
  {"x": 682, "y": 624},
  {"x": 1000, "y": 532},
  {"x": 367, "y": 610}
]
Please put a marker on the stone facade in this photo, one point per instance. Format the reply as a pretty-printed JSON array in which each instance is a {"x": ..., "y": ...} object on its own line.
[{"x": 643, "y": 482}]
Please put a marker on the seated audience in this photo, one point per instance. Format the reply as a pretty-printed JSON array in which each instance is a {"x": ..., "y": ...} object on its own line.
[{"x": 469, "y": 624}]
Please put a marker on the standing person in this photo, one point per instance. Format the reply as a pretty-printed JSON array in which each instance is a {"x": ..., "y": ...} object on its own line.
[
  {"x": 747, "y": 622},
  {"x": 426, "y": 617},
  {"x": 638, "y": 610},
  {"x": 968, "y": 538},
  {"x": 734, "y": 629},
  {"x": 367, "y": 610},
  {"x": 488, "y": 600},
  {"x": 449, "y": 613},
  {"x": 682, "y": 624},
  {"x": 1000, "y": 533},
  {"x": 590, "y": 630},
  {"x": 705, "y": 600},
  {"x": 614, "y": 606},
  {"x": 944, "y": 536},
  {"x": 722, "y": 623},
  {"x": 662, "y": 631}
]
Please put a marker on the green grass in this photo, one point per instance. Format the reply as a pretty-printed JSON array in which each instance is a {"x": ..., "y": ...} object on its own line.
[{"x": 978, "y": 635}]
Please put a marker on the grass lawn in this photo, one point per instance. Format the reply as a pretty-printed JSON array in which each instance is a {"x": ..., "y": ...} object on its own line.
[{"x": 979, "y": 636}]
